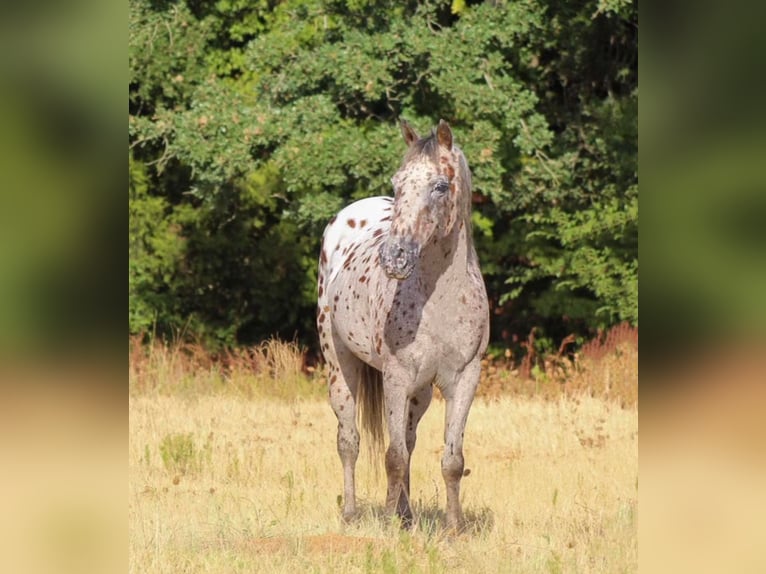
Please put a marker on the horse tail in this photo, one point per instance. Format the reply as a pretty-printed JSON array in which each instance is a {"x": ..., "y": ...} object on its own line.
[{"x": 371, "y": 402}]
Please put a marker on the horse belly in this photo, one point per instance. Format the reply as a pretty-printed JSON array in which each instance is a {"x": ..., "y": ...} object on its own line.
[{"x": 352, "y": 318}]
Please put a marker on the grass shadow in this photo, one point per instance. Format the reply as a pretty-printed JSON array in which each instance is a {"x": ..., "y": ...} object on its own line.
[{"x": 428, "y": 518}]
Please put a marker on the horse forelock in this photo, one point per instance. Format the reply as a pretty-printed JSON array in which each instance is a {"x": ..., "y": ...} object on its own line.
[
  {"x": 427, "y": 146},
  {"x": 451, "y": 163}
]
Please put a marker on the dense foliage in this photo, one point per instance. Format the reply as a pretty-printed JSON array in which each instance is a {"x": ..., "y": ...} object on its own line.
[{"x": 252, "y": 122}]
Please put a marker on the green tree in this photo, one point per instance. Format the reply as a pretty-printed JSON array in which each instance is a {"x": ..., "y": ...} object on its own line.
[{"x": 251, "y": 124}]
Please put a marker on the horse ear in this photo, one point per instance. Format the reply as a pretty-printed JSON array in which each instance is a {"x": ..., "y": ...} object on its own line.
[
  {"x": 409, "y": 134},
  {"x": 444, "y": 135}
]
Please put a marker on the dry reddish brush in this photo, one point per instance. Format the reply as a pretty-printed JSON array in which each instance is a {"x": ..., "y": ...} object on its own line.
[
  {"x": 611, "y": 341},
  {"x": 606, "y": 367}
]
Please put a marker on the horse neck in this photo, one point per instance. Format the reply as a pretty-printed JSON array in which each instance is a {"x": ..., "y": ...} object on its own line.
[{"x": 450, "y": 256}]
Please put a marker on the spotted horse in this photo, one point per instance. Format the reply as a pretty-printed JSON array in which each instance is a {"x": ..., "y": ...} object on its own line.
[{"x": 402, "y": 307}]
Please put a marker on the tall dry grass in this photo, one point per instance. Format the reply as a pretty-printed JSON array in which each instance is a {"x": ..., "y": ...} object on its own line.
[
  {"x": 274, "y": 368},
  {"x": 228, "y": 476},
  {"x": 606, "y": 367}
]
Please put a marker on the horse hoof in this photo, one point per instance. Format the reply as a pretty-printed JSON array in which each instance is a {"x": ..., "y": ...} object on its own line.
[
  {"x": 350, "y": 517},
  {"x": 406, "y": 522},
  {"x": 456, "y": 529}
]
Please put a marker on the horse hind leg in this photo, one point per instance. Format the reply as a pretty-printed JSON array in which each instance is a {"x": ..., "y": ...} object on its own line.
[{"x": 344, "y": 374}]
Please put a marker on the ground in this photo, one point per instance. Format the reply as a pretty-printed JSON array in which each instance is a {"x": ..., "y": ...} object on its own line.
[{"x": 222, "y": 482}]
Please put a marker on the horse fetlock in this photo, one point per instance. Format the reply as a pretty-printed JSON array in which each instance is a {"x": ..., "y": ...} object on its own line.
[
  {"x": 404, "y": 512},
  {"x": 455, "y": 523},
  {"x": 398, "y": 503},
  {"x": 350, "y": 514}
]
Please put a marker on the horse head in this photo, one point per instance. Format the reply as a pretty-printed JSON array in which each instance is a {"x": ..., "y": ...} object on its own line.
[{"x": 428, "y": 189}]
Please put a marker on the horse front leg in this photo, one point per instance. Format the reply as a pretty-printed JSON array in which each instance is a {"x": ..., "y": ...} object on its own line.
[
  {"x": 459, "y": 397},
  {"x": 418, "y": 405},
  {"x": 397, "y": 455}
]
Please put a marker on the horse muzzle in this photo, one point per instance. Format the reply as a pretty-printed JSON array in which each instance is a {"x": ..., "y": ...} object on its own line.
[{"x": 399, "y": 256}]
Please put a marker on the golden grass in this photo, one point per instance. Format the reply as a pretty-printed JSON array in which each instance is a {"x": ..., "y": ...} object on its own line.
[
  {"x": 233, "y": 469},
  {"x": 552, "y": 488}
]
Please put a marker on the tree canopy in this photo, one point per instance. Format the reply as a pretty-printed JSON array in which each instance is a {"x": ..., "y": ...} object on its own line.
[{"x": 252, "y": 122}]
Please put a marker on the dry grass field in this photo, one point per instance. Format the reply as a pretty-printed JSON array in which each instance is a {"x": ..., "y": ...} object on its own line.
[{"x": 237, "y": 472}]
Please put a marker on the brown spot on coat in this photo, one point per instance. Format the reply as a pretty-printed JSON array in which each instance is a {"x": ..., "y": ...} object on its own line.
[{"x": 351, "y": 223}]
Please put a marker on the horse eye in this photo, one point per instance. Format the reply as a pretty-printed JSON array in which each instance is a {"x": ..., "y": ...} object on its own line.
[{"x": 441, "y": 187}]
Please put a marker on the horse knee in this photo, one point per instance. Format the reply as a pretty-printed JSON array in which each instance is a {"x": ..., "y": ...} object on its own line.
[{"x": 452, "y": 466}]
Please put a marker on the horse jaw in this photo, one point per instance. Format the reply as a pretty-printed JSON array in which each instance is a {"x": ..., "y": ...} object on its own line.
[{"x": 398, "y": 256}]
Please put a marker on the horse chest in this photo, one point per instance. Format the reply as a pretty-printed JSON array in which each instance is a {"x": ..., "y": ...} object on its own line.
[{"x": 434, "y": 329}]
